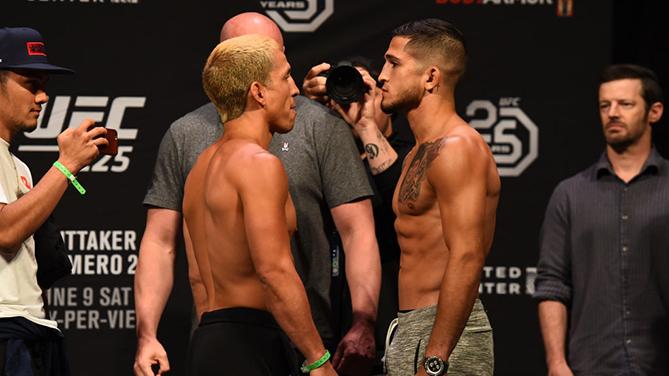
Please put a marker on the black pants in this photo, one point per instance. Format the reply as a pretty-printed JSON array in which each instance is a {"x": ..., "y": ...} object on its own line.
[
  {"x": 240, "y": 341},
  {"x": 3, "y": 348},
  {"x": 37, "y": 371}
]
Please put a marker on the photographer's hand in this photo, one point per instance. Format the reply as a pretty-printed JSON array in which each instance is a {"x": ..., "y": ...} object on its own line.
[
  {"x": 313, "y": 86},
  {"x": 364, "y": 118}
]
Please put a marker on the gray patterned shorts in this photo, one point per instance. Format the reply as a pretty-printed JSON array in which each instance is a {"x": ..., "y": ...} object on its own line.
[{"x": 472, "y": 356}]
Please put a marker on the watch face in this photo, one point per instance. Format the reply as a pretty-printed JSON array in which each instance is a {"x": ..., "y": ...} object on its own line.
[{"x": 434, "y": 366}]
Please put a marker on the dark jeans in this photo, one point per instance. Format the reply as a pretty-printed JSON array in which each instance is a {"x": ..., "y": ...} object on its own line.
[
  {"x": 3, "y": 347},
  {"x": 3, "y": 350}
]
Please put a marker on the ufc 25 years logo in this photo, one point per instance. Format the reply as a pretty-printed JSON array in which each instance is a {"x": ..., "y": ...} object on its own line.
[
  {"x": 103, "y": 109},
  {"x": 511, "y": 134},
  {"x": 299, "y": 15}
]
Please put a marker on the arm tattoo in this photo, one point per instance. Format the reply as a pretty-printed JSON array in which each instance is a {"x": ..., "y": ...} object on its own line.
[
  {"x": 372, "y": 150},
  {"x": 410, "y": 189}
]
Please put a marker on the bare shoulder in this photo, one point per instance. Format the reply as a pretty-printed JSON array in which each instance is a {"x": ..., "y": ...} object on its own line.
[
  {"x": 251, "y": 164},
  {"x": 463, "y": 145},
  {"x": 463, "y": 154},
  {"x": 466, "y": 141},
  {"x": 260, "y": 160}
]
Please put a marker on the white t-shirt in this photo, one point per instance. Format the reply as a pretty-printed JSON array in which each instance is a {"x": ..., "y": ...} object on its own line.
[{"x": 20, "y": 295}]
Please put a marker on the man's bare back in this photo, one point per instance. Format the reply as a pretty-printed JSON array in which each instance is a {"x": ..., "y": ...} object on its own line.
[
  {"x": 216, "y": 224},
  {"x": 423, "y": 222},
  {"x": 237, "y": 223}
]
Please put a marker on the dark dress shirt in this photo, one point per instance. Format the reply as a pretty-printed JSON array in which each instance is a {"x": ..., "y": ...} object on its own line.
[{"x": 603, "y": 253}]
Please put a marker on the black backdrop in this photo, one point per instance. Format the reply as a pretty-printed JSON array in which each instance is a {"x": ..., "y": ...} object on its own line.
[
  {"x": 530, "y": 88},
  {"x": 641, "y": 37}
]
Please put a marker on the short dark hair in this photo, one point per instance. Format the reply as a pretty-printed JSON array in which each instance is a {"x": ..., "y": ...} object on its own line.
[
  {"x": 651, "y": 91},
  {"x": 433, "y": 35}
]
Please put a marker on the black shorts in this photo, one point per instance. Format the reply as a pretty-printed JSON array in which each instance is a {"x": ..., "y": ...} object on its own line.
[{"x": 240, "y": 341}]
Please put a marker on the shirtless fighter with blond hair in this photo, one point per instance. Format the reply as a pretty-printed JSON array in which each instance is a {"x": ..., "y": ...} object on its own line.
[{"x": 238, "y": 217}]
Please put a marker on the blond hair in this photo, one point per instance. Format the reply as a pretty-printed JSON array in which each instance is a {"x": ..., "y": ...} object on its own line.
[{"x": 232, "y": 67}]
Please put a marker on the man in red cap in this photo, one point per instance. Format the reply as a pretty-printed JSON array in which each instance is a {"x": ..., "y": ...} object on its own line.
[{"x": 29, "y": 342}]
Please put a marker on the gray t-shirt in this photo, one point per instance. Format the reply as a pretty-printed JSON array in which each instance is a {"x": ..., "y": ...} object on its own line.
[
  {"x": 324, "y": 171},
  {"x": 183, "y": 142}
]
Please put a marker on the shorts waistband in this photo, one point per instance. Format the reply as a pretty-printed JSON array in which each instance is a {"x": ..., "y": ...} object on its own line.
[
  {"x": 242, "y": 315},
  {"x": 431, "y": 311},
  {"x": 417, "y": 312}
]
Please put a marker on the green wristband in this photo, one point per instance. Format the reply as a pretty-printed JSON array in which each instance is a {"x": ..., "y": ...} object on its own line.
[
  {"x": 308, "y": 368},
  {"x": 70, "y": 177}
]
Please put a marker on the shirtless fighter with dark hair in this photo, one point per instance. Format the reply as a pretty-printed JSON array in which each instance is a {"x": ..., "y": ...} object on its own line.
[{"x": 445, "y": 204}]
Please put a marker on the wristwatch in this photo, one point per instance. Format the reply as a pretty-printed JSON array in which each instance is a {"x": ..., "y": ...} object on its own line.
[{"x": 435, "y": 366}]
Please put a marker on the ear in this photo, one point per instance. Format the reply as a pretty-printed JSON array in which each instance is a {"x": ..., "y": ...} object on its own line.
[
  {"x": 432, "y": 78},
  {"x": 655, "y": 112},
  {"x": 257, "y": 93}
]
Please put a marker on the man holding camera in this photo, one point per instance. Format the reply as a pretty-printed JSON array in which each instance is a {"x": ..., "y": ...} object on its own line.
[
  {"x": 28, "y": 340},
  {"x": 358, "y": 100},
  {"x": 329, "y": 188}
]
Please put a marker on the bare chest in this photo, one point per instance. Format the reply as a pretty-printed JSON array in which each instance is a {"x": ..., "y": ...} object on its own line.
[{"x": 414, "y": 195}]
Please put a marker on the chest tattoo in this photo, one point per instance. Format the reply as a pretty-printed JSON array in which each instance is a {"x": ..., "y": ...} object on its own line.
[{"x": 410, "y": 189}]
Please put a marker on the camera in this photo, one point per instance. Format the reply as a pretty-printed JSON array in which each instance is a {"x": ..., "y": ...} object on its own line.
[{"x": 344, "y": 83}]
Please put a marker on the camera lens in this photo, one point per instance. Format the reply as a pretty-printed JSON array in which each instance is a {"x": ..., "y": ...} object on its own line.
[{"x": 345, "y": 85}]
